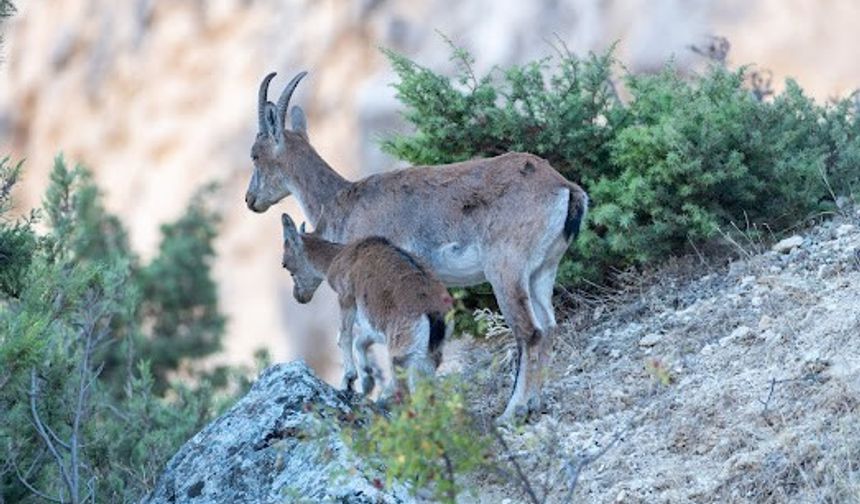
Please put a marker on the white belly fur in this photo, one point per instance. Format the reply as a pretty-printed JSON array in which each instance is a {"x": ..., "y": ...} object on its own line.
[{"x": 459, "y": 266}]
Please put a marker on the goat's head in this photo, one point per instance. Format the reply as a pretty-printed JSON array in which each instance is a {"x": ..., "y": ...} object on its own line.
[
  {"x": 306, "y": 279},
  {"x": 270, "y": 182}
]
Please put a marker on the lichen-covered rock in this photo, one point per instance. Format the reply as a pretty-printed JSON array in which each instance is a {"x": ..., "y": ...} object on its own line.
[{"x": 280, "y": 443}]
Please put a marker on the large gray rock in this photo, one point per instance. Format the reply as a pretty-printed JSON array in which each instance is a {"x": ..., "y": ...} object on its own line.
[{"x": 280, "y": 443}]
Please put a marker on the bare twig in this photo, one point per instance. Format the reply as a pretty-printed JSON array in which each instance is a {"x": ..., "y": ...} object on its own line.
[
  {"x": 46, "y": 438},
  {"x": 93, "y": 329},
  {"x": 461, "y": 55},
  {"x": 55, "y": 437},
  {"x": 766, "y": 403},
  {"x": 34, "y": 489},
  {"x": 574, "y": 470},
  {"x": 699, "y": 254},
  {"x": 521, "y": 479},
  {"x": 809, "y": 377},
  {"x": 735, "y": 243},
  {"x": 823, "y": 174},
  {"x": 449, "y": 469}
]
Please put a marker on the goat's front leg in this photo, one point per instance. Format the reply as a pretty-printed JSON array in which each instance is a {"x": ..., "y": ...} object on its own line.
[{"x": 344, "y": 342}]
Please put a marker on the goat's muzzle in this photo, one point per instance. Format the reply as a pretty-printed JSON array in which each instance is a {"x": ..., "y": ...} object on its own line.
[
  {"x": 302, "y": 297},
  {"x": 251, "y": 201}
]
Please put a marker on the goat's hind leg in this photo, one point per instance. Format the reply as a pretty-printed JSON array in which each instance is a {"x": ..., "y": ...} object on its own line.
[
  {"x": 541, "y": 285},
  {"x": 512, "y": 295},
  {"x": 361, "y": 349},
  {"x": 344, "y": 342}
]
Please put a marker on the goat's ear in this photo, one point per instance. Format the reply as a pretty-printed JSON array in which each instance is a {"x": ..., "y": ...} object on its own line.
[
  {"x": 271, "y": 117},
  {"x": 298, "y": 121},
  {"x": 288, "y": 225}
]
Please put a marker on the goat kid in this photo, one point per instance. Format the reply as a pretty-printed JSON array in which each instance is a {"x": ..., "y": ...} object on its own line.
[{"x": 383, "y": 292}]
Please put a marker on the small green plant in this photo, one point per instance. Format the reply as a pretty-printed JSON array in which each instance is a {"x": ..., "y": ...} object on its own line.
[
  {"x": 656, "y": 368},
  {"x": 427, "y": 441}
]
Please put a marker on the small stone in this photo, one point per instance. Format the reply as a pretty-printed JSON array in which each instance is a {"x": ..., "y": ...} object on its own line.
[
  {"x": 621, "y": 496},
  {"x": 747, "y": 280},
  {"x": 707, "y": 349},
  {"x": 615, "y": 353},
  {"x": 739, "y": 333},
  {"x": 771, "y": 337},
  {"x": 650, "y": 340},
  {"x": 765, "y": 323},
  {"x": 845, "y": 229},
  {"x": 826, "y": 271},
  {"x": 775, "y": 269},
  {"x": 786, "y": 245},
  {"x": 619, "y": 394},
  {"x": 756, "y": 301}
]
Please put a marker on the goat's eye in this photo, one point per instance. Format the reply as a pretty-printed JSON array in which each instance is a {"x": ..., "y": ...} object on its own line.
[{"x": 255, "y": 157}]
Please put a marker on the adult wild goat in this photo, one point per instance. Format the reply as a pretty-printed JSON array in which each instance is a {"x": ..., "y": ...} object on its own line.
[
  {"x": 384, "y": 291},
  {"x": 507, "y": 220}
]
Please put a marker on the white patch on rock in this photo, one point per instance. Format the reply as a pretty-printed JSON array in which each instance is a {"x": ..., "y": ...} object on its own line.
[
  {"x": 738, "y": 334},
  {"x": 650, "y": 339},
  {"x": 845, "y": 229},
  {"x": 785, "y": 246}
]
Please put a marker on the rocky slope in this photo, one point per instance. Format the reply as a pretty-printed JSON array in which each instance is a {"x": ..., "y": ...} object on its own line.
[
  {"x": 708, "y": 380},
  {"x": 158, "y": 97},
  {"x": 712, "y": 382}
]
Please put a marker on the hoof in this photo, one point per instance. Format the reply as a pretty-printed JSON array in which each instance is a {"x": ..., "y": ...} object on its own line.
[
  {"x": 514, "y": 417},
  {"x": 348, "y": 380},
  {"x": 367, "y": 383},
  {"x": 537, "y": 406},
  {"x": 384, "y": 403}
]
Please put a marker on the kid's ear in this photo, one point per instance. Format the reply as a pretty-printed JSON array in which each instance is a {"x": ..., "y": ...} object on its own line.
[{"x": 289, "y": 227}]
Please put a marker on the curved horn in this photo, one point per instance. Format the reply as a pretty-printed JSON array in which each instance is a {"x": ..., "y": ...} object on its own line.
[
  {"x": 284, "y": 100},
  {"x": 262, "y": 97}
]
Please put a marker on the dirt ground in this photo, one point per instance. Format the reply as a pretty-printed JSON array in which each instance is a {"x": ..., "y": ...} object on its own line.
[{"x": 710, "y": 380}]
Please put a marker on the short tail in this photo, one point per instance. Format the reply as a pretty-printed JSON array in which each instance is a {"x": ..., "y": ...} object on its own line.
[
  {"x": 577, "y": 205},
  {"x": 438, "y": 330}
]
